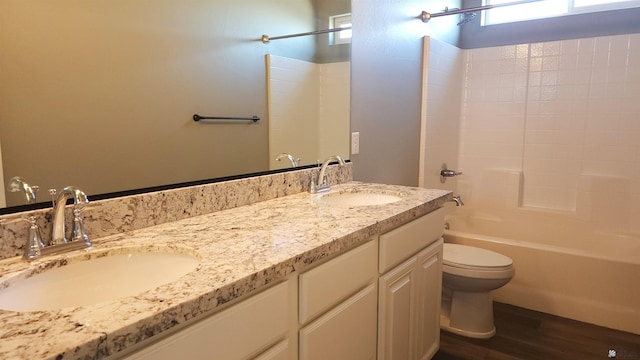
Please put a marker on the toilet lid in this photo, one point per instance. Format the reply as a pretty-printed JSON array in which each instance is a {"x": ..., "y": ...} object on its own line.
[{"x": 472, "y": 257}]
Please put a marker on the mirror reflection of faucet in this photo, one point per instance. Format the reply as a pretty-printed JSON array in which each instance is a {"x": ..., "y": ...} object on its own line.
[
  {"x": 321, "y": 185},
  {"x": 292, "y": 159},
  {"x": 17, "y": 184}
]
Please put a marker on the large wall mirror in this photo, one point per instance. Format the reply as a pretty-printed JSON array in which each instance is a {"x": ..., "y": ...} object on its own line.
[{"x": 101, "y": 94}]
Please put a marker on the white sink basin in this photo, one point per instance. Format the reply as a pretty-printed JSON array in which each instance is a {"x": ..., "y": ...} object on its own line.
[
  {"x": 360, "y": 198},
  {"x": 128, "y": 272}
]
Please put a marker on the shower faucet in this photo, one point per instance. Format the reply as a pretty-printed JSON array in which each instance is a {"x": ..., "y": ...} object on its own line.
[{"x": 447, "y": 173}]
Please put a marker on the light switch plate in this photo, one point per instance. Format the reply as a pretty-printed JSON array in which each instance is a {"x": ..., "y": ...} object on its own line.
[{"x": 355, "y": 143}]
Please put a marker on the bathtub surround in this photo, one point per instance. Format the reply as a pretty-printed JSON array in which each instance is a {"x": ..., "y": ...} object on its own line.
[
  {"x": 548, "y": 147},
  {"x": 554, "y": 124},
  {"x": 564, "y": 114},
  {"x": 118, "y": 215},
  {"x": 243, "y": 249}
]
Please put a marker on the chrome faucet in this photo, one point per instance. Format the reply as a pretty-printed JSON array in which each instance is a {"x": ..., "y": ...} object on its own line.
[
  {"x": 321, "y": 185},
  {"x": 447, "y": 173},
  {"x": 35, "y": 247},
  {"x": 17, "y": 184},
  {"x": 294, "y": 161},
  {"x": 458, "y": 200},
  {"x": 80, "y": 199}
]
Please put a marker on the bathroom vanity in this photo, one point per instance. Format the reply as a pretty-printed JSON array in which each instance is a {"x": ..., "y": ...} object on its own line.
[
  {"x": 291, "y": 277},
  {"x": 332, "y": 311}
]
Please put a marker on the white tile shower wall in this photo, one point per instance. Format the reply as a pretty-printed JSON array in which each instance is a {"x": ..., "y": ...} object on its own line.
[
  {"x": 555, "y": 122},
  {"x": 293, "y": 109},
  {"x": 493, "y": 116},
  {"x": 308, "y": 106},
  {"x": 442, "y": 126},
  {"x": 335, "y": 105},
  {"x": 564, "y": 113}
]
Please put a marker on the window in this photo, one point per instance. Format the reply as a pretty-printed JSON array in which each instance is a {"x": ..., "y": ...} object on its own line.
[
  {"x": 340, "y": 37},
  {"x": 548, "y": 8}
]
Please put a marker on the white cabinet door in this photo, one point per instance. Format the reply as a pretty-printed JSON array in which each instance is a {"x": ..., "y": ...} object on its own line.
[
  {"x": 347, "y": 332},
  {"x": 410, "y": 293},
  {"x": 278, "y": 352},
  {"x": 428, "y": 301},
  {"x": 397, "y": 312}
]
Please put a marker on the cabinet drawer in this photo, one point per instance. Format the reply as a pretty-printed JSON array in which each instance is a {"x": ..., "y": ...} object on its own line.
[
  {"x": 399, "y": 244},
  {"x": 332, "y": 282},
  {"x": 235, "y": 333}
]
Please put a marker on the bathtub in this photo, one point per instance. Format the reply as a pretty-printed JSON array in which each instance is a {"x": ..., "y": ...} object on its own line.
[{"x": 561, "y": 268}]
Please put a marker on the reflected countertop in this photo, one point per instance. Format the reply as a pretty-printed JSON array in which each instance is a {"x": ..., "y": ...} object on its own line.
[{"x": 242, "y": 249}]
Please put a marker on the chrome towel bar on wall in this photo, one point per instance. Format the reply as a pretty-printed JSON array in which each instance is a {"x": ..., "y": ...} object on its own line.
[{"x": 197, "y": 118}]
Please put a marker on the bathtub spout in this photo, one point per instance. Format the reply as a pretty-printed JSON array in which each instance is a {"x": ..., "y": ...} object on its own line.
[{"x": 458, "y": 200}]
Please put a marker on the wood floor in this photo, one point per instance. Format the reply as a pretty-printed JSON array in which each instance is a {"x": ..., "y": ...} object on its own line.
[{"x": 530, "y": 335}]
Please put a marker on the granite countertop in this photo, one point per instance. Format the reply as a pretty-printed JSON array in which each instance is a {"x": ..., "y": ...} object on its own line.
[{"x": 241, "y": 249}]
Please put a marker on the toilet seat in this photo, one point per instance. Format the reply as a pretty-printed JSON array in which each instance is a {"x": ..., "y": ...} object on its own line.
[{"x": 475, "y": 262}]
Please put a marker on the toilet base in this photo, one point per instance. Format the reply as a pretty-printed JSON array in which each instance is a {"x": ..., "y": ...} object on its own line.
[
  {"x": 444, "y": 325},
  {"x": 468, "y": 314}
]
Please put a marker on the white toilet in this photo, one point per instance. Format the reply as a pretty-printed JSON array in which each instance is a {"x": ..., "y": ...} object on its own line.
[{"x": 468, "y": 275}]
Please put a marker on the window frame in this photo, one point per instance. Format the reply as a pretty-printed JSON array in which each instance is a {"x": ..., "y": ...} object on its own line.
[
  {"x": 571, "y": 9},
  {"x": 337, "y": 21}
]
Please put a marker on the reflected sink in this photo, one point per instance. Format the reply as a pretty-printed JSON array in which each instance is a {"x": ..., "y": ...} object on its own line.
[
  {"x": 127, "y": 272},
  {"x": 359, "y": 198}
]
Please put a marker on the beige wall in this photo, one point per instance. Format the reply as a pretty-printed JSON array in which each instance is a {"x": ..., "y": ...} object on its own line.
[
  {"x": 3, "y": 199},
  {"x": 100, "y": 94},
  {"x": 387, "y": 85}
]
